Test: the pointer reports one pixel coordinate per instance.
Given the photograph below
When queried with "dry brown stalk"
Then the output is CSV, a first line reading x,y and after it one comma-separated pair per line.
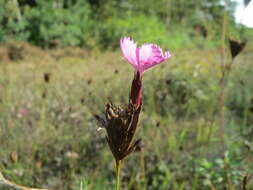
x,y
6,183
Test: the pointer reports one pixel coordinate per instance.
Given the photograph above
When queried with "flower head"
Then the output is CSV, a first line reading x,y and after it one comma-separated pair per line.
x,y
120,125
143,57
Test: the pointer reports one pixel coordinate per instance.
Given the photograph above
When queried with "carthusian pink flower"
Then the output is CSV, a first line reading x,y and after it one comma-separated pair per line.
x,y
143,57
121,123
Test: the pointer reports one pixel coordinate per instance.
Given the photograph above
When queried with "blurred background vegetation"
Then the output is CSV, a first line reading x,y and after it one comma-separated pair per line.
x,y
100,23
60,64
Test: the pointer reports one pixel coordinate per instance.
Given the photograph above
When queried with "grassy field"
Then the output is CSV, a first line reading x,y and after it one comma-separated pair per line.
x,y
49,137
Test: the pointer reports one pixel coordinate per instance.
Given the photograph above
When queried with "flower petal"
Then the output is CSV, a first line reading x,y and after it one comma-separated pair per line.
x,y
128,48
151,55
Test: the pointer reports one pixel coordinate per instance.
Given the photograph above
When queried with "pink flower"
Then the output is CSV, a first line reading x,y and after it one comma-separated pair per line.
x,y
23,112
143,57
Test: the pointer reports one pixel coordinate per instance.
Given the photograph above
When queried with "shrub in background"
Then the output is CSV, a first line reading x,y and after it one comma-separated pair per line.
x,y
101,23
12,24
53,25
140,27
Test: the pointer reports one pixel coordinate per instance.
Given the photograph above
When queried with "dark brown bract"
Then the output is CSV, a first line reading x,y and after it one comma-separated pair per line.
x,y
236,47
120,125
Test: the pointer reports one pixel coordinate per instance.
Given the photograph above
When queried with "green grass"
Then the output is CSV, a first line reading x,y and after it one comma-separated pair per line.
x,y
56,145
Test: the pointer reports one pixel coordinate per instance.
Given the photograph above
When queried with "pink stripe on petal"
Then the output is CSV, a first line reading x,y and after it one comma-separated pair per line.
x,y
137,52
151,55
128,48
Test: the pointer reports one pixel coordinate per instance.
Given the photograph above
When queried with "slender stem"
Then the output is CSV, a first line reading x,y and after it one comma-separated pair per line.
x,y
222,83
142,167
223,78
118,167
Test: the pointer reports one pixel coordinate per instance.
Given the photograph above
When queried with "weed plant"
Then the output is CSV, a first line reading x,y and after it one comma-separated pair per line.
x,y
48,135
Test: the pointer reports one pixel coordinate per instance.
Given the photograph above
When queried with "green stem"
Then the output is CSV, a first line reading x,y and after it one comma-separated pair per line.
x,y
118,167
